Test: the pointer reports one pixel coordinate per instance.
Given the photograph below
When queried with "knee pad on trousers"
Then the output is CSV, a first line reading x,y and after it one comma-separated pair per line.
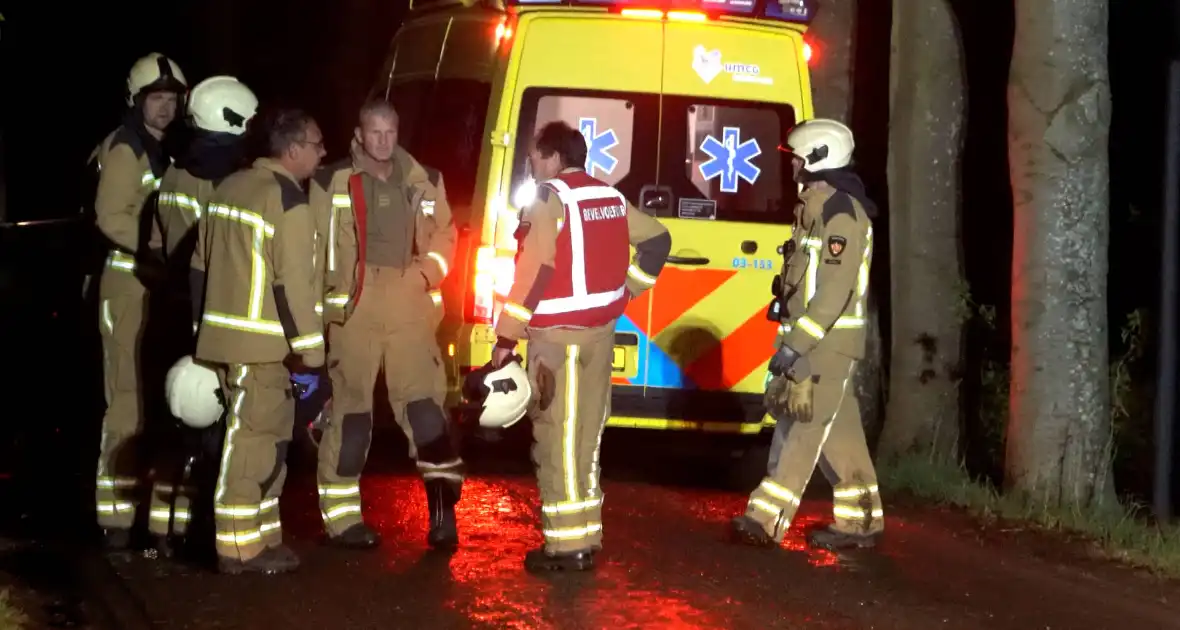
x,y
280,459
356,430
429,425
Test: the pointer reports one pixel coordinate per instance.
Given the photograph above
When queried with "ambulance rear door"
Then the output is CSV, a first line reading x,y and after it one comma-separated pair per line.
x,y
727,196
601,75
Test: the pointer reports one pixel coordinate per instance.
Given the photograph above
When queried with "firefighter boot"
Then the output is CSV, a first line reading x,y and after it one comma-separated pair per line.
x,y
746,530
540,561
833,540
271,561
359,536
441,497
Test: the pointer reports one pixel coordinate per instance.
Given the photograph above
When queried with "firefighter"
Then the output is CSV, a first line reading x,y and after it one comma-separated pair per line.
x,y
389,244
822,335
219,108
259,327
574,277
131,161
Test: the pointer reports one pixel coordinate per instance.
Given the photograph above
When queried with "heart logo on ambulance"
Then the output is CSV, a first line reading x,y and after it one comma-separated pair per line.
x,y
707,63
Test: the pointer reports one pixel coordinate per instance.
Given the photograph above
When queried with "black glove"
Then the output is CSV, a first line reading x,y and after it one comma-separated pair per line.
x,y
783,360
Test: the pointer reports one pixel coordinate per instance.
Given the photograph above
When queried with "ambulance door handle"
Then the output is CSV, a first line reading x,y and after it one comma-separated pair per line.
x,y
749,247
687,260
654,199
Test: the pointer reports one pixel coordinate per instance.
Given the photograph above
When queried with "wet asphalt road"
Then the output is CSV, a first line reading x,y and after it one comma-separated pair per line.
x,y
667,563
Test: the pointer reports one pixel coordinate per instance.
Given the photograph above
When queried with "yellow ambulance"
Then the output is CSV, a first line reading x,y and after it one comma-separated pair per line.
x,y
683,104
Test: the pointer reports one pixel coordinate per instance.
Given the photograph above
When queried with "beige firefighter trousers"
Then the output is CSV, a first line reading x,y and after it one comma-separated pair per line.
x,y
259,422
392,330
121,320
122,309
834,439
570,374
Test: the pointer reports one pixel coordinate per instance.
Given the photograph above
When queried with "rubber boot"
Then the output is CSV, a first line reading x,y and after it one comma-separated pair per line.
x,y
541,561
441,497
271,561
748,531
359,536
833,540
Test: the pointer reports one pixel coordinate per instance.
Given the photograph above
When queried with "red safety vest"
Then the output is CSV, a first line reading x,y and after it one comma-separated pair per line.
x,y
589,285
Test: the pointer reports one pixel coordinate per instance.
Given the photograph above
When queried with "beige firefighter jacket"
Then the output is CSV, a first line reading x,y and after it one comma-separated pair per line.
x,y
336,207
255,260
125,182
827,278
182,199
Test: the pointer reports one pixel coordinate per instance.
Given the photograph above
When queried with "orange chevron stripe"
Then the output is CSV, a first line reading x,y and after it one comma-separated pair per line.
x,y
742,352
677,290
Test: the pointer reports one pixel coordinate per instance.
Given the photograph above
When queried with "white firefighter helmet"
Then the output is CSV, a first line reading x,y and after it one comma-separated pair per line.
x,y
192,394
222,104
504,394
821,143
154,72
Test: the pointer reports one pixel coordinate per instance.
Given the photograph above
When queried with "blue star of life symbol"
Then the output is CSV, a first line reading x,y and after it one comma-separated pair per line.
x,y
599,145
730,158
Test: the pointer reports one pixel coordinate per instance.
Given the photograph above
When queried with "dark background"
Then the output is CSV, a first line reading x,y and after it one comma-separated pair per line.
x,y
63,72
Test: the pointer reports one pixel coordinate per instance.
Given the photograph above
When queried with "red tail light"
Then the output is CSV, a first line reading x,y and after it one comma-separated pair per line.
x,y
493,276
503,32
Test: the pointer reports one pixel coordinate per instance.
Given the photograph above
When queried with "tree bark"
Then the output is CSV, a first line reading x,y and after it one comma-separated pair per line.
x,y
1059,433
927,95
831,75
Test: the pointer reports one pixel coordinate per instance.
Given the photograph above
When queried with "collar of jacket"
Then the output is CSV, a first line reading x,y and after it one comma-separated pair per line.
x,y
813,198
273,165
362,163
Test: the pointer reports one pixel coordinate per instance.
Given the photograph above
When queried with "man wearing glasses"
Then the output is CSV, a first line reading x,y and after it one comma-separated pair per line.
x,y
260,329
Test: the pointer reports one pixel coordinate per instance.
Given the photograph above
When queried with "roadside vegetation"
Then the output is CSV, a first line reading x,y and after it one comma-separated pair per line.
x,y
1125,531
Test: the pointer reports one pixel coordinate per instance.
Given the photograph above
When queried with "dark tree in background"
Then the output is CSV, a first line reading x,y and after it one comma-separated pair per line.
x,y
927,103
1059,433
831,77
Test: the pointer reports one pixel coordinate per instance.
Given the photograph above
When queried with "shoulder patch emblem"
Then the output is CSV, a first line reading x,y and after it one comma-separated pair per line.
x,y
427,206
836,245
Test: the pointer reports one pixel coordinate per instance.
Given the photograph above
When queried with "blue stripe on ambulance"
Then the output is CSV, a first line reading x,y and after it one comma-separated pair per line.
x,y
662,371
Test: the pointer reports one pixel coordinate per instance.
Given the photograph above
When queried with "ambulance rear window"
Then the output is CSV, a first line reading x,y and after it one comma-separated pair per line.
x,y
621,131
731,169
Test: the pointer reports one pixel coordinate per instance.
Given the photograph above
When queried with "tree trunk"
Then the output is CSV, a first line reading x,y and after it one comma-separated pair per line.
x,y
1059,433
927,95
831,74
831,37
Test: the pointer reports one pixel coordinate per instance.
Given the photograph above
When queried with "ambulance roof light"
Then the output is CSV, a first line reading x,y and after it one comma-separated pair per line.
x,y
643,14
687,16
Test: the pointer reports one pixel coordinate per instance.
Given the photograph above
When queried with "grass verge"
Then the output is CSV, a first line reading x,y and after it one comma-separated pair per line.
x,y
1119,532
11,617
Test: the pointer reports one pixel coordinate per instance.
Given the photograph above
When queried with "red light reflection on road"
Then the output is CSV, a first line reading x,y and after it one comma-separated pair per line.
x,y
720,508
498,524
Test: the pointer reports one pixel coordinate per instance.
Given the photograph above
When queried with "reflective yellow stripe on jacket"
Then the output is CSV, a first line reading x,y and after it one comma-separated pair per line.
x,y
252,320
857,318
